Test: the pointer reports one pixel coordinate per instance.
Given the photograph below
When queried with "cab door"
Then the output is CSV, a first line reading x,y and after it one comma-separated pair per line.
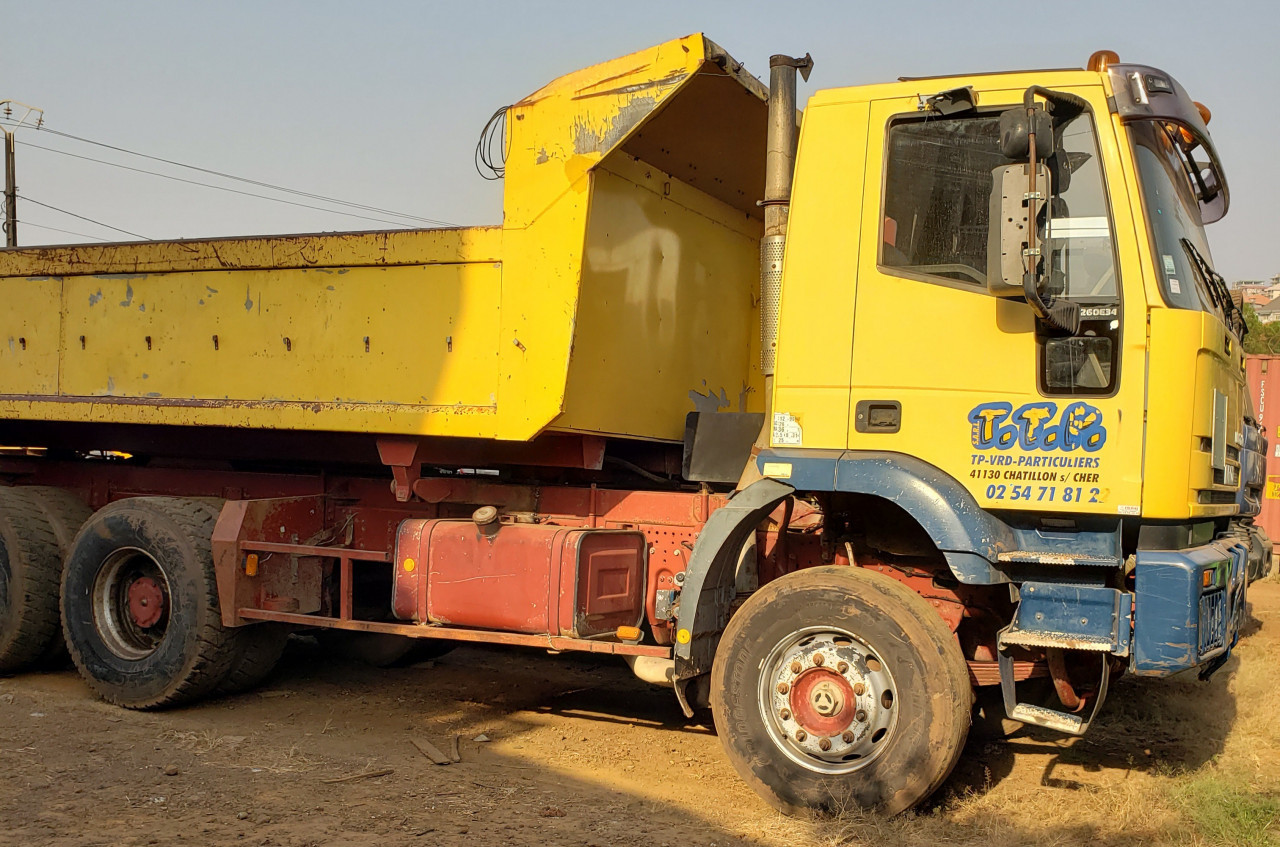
x,y
1025,418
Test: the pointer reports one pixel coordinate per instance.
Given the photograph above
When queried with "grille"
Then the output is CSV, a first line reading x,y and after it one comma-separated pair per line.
x,y
1213,620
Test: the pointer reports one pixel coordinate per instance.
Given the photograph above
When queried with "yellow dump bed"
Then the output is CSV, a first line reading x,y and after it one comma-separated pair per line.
x,y
619,286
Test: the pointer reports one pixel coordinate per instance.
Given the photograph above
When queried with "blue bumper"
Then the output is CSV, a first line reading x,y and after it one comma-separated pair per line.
x,y
1188,606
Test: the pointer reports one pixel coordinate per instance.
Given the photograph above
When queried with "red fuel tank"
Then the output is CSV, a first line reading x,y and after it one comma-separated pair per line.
x,y
529,578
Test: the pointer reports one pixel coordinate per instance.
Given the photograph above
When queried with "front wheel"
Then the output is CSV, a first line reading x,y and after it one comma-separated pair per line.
x,y
839,688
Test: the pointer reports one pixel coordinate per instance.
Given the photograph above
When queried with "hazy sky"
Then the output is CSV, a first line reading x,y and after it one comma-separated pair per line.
x,y
381,103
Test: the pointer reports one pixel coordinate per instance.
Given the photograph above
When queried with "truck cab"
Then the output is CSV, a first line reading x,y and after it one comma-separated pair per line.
x,y
1046,381
1008,376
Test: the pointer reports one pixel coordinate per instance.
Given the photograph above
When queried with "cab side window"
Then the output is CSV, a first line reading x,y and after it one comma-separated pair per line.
x,y
938,180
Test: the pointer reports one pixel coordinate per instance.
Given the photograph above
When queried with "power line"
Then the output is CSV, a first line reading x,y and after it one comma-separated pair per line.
x,y
248,181
210,185
27,199
26,223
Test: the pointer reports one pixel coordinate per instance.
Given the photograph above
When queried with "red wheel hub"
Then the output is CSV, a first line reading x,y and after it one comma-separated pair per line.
x,y
823,702
146,601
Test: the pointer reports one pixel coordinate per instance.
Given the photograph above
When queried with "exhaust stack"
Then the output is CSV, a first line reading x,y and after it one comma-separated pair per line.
x,y
780,160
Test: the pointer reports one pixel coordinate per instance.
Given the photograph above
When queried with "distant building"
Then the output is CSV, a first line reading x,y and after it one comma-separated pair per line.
x,y
1269,313
1254,292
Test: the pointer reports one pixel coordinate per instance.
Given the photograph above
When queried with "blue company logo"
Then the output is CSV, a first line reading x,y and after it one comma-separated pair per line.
x,y
1038,426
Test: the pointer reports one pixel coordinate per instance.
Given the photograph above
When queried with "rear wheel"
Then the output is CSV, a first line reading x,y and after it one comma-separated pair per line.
x,y
64,513
258,651
380,649
30,564
838,688
140,604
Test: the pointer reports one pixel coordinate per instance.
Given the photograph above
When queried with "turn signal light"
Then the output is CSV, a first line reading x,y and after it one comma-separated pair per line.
x,y
251,564
628,633
1205,114
1206,577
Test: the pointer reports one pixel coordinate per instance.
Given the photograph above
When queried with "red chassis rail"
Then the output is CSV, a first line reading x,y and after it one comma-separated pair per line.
x,y
309,530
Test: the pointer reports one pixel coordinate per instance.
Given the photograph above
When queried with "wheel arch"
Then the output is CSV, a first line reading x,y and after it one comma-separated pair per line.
x,y
968,536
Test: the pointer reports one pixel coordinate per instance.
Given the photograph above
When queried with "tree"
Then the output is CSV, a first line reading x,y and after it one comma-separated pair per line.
x,y
1261,338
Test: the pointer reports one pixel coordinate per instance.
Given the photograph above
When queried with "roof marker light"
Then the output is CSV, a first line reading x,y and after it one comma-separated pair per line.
x,y
1100,60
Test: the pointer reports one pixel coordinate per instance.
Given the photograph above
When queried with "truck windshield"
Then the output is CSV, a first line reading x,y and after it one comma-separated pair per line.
x,y
1183,263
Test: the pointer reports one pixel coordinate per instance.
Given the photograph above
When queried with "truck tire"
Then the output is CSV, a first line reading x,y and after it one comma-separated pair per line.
x,y
258,650
380,649
30,566
65,513
837,688
140,604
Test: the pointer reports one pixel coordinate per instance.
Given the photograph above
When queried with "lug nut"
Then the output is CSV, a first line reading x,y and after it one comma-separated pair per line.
x,y
785,714
818,659
801,735
825,744
783,688
861,716
843,667
859,689
847,737
796,667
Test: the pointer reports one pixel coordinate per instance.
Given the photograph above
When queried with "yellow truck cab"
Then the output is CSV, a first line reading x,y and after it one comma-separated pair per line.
x,y
1001,340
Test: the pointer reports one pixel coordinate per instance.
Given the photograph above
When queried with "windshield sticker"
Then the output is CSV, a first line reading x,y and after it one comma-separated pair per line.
x,y
1039,443
1169,267
1175,286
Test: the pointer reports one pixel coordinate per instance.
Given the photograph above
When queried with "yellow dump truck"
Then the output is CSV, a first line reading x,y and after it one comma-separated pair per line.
x,y
852,432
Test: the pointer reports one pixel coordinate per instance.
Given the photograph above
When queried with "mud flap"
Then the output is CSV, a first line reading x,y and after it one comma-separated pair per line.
x,y
708,589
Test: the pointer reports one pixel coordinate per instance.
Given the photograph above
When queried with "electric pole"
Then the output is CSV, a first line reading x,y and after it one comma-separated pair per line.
x,y
10,172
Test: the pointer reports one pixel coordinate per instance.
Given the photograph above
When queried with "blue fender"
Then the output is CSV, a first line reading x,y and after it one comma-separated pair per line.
x,y
969,537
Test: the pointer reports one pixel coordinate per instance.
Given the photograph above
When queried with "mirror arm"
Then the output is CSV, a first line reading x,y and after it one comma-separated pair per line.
x,y
1060,314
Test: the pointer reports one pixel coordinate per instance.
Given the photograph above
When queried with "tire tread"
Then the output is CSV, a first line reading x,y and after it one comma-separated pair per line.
x,y
35,627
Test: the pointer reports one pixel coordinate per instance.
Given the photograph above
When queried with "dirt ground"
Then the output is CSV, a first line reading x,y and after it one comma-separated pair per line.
x,y
578,753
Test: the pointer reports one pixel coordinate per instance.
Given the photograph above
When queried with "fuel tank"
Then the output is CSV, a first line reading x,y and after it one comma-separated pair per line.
x,y
527,578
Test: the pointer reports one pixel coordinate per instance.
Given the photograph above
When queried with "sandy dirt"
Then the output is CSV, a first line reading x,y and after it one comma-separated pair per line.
x,y
578,753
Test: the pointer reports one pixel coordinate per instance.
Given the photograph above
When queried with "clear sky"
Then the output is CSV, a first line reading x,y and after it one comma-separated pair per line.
x,y
381,103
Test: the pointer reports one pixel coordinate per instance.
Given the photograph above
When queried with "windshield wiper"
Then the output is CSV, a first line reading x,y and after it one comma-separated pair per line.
x,y
1217,287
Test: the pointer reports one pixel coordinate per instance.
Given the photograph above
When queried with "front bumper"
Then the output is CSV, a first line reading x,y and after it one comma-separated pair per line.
x,y
1187,607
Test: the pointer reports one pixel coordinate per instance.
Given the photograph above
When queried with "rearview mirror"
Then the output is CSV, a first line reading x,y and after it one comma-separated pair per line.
x,y
1015,133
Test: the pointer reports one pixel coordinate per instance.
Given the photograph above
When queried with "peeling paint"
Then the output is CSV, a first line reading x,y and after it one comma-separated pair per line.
x,y
248,300
543,157
128,295
709,403
211,289
142,307
95,297
589,139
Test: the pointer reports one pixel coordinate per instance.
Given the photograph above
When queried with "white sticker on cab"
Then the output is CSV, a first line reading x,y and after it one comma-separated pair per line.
x,y
786,430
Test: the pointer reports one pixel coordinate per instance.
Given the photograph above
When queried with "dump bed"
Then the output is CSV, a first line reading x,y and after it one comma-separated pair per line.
x,y
617,295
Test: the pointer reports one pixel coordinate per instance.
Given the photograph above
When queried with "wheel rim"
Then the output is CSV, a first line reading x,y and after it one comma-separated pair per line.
x,y
827,700
131,603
